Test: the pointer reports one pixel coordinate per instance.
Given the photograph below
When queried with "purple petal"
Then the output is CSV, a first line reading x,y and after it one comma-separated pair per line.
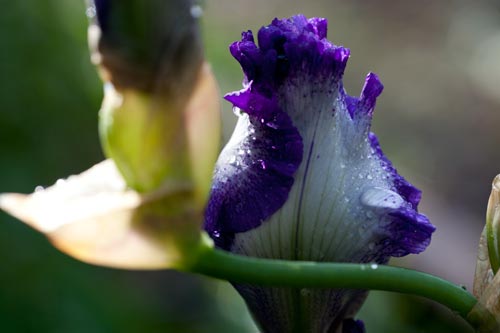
x,y
103,8
353,326
254,173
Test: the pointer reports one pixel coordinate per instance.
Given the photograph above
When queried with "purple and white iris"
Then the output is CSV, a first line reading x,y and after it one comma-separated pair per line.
x,y
303,178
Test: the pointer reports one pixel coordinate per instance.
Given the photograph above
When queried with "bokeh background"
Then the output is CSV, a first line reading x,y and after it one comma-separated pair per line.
x,y
437,120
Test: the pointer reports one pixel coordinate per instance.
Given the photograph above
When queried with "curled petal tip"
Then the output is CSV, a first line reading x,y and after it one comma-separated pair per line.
x,y
496,183
15,205
373,87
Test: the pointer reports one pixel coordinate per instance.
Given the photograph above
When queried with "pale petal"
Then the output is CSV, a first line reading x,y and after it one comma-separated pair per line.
x,y
95,218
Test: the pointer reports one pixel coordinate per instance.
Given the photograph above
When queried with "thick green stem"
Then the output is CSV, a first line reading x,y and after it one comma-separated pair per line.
x,y
302,274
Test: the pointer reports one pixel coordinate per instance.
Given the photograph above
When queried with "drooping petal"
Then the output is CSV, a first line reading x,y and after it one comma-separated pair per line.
x,y
95,218
347,203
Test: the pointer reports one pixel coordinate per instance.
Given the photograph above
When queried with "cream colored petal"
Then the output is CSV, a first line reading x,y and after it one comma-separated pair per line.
x,y
203,128
483,274
94,218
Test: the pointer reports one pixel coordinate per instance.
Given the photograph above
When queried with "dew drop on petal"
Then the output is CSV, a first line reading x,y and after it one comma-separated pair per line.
x,y
91,11
380,198
305,292
196,11
262,164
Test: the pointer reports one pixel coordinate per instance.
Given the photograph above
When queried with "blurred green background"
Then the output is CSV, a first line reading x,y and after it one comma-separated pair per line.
x,y
437,120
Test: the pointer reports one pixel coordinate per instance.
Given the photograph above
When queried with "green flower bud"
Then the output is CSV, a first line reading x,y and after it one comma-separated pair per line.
x,y
155,144
486,313
493,225
160,119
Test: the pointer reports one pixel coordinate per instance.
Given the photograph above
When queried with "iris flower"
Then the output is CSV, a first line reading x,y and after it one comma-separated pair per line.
x,y
303,178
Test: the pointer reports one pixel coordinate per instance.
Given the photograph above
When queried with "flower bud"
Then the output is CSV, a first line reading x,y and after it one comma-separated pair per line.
x,y
486,313
303,178
160,119
151,46
493,225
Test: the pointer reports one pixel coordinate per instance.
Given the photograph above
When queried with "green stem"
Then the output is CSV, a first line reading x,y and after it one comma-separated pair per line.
x,y
303,274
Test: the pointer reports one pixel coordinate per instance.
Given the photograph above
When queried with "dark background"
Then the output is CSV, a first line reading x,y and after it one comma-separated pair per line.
x,y
437,120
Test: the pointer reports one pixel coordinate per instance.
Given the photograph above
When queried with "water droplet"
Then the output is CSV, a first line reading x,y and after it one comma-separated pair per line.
x,y
196,11
381,198
232,161
60,182
216,234
369,177
90,12
241,152
360,176
262,164
342,165
373,266
39,189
